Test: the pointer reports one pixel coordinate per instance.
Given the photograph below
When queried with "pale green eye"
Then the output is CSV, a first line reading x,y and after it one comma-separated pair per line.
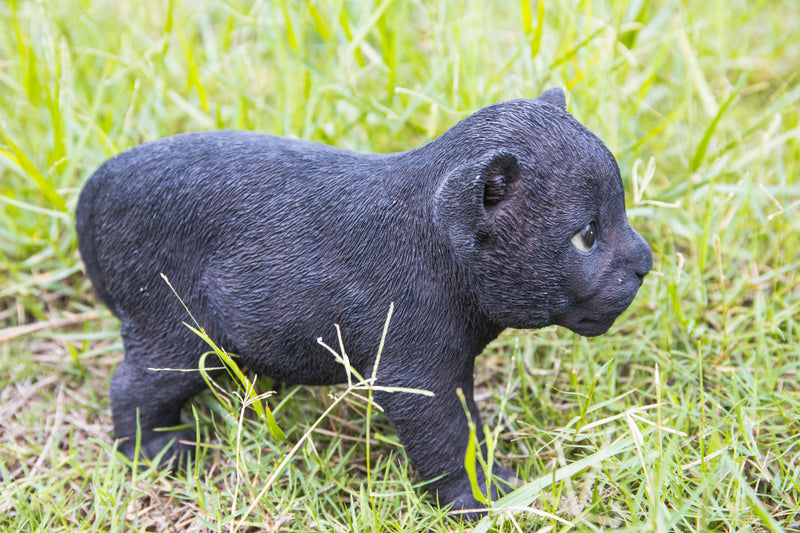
x,y
584,239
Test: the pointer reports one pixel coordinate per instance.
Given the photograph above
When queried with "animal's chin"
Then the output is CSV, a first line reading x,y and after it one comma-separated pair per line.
x,y
589,327
589,324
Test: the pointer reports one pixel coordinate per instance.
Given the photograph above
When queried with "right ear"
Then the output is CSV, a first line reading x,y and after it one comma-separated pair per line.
x,y
468,197
555,97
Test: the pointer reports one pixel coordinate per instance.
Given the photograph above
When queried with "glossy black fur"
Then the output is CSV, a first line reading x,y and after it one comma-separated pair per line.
x,y
272,241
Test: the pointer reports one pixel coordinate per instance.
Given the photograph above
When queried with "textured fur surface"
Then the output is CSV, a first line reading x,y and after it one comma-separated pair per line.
x,y
271,241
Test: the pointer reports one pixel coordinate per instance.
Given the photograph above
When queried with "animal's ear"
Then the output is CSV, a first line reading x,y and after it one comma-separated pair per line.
x,y
555,97
468,196
495,176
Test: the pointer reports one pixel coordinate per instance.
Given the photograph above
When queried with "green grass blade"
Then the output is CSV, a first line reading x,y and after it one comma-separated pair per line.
x,y
700,152
523,496
18,157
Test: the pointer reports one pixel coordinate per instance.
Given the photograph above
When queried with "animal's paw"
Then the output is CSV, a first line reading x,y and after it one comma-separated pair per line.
x,y
466,506
171,448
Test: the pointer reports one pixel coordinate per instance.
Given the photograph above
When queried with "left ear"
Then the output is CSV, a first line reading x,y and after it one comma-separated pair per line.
x,y
468,195
496,174
555,97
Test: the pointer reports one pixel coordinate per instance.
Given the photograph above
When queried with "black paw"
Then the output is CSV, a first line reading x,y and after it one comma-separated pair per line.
x,y
170,448
465,505
467,508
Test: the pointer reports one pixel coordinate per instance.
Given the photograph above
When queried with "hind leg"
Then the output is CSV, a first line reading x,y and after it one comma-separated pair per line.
x,y
148,391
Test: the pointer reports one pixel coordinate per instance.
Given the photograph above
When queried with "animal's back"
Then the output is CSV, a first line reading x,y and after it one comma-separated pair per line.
x,y
249,228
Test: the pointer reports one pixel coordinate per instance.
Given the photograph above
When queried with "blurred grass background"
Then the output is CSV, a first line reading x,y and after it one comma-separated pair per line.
x,y
697,100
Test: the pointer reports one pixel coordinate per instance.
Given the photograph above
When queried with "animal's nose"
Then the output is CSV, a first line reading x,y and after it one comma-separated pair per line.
x,y
642,256
636,253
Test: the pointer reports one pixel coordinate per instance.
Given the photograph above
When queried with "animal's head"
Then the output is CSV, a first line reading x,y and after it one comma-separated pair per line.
x,y
536,215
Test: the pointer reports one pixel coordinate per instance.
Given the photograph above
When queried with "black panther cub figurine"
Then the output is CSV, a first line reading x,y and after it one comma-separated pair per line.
x,y
515,217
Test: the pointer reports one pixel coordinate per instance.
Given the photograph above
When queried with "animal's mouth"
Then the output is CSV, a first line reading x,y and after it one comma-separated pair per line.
x,y
596,313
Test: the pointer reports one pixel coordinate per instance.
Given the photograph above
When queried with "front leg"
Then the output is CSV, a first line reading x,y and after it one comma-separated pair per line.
x,y
435,433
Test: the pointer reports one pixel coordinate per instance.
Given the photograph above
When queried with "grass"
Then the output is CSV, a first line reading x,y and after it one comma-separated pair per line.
x,y
684,417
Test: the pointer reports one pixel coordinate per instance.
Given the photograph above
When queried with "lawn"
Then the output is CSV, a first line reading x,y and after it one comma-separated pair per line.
x,y
685,416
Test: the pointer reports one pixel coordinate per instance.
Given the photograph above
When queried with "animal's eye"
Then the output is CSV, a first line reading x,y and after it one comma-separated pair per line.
x,y
585,238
